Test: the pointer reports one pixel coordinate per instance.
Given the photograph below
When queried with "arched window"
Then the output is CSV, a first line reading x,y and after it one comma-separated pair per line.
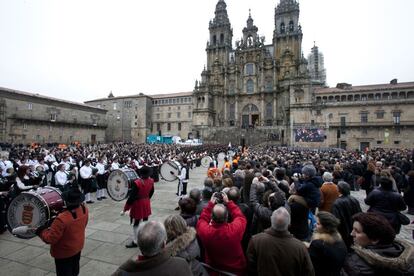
x,y
291,26
214,40
221,38
282,28
249,86
250,69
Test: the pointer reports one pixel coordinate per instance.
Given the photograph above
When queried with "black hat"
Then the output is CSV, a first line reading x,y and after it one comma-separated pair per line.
x,y
73,197
145,172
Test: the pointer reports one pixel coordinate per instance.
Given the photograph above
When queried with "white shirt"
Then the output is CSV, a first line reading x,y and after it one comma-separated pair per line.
x,y
50,158
182,175
101,168
61,178
5,164
115,166
85,172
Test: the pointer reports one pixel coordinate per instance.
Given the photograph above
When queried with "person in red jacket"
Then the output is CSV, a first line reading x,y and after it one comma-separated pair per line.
x,y
66,235
138,203
222,239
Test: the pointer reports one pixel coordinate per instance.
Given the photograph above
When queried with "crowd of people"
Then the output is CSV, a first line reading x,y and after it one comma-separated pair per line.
x,y
265,210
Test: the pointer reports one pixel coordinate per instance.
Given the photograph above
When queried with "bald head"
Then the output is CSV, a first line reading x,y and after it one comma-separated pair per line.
x,y
219,214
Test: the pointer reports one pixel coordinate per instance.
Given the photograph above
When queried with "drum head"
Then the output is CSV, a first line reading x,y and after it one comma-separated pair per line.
x,y
27,209
220,156
205,161
170,170
119,183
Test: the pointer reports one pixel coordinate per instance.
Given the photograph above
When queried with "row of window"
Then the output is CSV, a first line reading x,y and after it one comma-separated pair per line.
x,y
291,27
169,115
268,87
366,97
180,100
169,126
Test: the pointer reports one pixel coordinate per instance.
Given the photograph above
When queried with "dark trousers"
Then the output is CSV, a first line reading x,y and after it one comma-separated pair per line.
x,y
182,190
68,266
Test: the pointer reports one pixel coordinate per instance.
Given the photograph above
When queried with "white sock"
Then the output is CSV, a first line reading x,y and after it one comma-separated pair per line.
x,y
98,193
103,192
135,234
88,197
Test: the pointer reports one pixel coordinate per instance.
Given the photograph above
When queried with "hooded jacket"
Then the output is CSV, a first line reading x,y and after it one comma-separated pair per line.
x,y
186,246
381,260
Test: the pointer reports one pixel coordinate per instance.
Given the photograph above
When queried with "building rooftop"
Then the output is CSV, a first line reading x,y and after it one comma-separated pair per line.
x,y
345,88
47,98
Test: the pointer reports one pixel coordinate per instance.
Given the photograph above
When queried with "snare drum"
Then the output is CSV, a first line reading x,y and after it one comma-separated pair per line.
x,y
170,170
119,183
34,208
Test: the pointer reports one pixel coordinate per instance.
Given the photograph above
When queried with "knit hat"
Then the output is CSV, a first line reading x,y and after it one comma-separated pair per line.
x,y
309,170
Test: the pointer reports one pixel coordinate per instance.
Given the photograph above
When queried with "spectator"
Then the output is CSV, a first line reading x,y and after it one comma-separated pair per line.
x,y
376,251
327,249
387,203
409,193
155,260
344,207
276,252
195,194
329,192
222,239
182,242
308,188
188,209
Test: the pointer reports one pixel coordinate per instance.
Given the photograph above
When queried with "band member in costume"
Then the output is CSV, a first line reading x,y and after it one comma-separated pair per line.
x,y
183,178
138,202
101,180
66,235
61,178
87,181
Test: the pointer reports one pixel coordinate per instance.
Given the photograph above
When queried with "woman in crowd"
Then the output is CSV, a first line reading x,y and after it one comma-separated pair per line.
x,y
327,249
329,192
409,193
182,242
387,203
376,251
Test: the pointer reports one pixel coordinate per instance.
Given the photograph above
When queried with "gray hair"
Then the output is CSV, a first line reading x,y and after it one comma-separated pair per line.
x,y
208,182
327,177
151,238
280,219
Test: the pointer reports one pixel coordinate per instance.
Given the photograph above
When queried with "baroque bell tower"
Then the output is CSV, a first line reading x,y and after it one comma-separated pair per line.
x,y
287,38
209,108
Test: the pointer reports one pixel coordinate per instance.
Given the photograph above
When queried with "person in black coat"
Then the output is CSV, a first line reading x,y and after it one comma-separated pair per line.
x,y
387,203
327,249
409,193
343,208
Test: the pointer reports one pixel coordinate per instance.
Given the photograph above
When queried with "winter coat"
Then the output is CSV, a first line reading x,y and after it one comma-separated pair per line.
x,y
160,265
388,204
190,219
409,193
344,208
222,241
309,190
186,246
299,211
381,260
328,253
277,253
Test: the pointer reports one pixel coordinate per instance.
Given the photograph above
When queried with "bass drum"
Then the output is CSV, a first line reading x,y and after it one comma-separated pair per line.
x,y
119,183
34,208
205,161
170,170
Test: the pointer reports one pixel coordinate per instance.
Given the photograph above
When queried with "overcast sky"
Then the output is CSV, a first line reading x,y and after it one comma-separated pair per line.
x,y
80,50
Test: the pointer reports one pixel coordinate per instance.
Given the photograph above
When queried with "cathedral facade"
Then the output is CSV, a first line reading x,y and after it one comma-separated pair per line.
x,y
249,86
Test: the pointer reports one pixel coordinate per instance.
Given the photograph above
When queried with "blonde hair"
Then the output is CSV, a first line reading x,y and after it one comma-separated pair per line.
x,y
175,226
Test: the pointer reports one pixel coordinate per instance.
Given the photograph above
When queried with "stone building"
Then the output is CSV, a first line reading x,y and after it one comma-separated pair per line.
x,y
27,118
357,117
133,118
267,92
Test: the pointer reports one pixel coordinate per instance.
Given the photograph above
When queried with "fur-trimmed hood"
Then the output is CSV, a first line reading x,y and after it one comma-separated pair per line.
x,y
329,238
401,262
182,242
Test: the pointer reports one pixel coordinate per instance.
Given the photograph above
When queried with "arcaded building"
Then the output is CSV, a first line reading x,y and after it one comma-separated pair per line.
x,y
27,118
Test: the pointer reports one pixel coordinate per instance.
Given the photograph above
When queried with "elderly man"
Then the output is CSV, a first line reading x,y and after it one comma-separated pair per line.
x,y
154,259
276,252
222,239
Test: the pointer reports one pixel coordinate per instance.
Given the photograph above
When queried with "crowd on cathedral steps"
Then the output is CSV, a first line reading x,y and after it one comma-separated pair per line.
x,y
264,210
